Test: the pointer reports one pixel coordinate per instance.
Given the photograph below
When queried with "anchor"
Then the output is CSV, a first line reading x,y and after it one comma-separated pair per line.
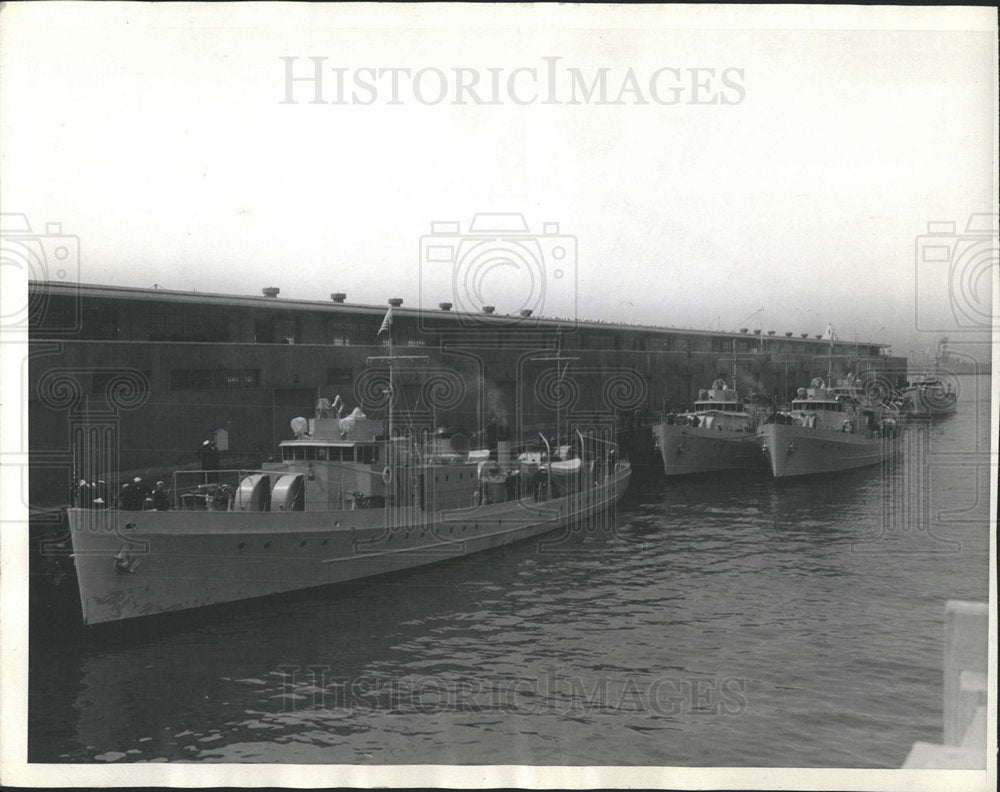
x,y
124,561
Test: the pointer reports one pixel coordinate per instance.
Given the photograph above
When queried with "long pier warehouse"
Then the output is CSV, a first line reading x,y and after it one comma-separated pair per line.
x,y
164,370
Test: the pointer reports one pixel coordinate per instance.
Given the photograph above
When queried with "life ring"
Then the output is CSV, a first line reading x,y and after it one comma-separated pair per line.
x,y
387,475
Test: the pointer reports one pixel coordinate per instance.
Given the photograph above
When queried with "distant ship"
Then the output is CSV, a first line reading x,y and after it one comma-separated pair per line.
x,y
944,363
928,397
719,434
822,433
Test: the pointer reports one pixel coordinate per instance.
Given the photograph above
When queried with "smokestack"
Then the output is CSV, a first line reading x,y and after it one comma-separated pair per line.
x,y
271,291
338,297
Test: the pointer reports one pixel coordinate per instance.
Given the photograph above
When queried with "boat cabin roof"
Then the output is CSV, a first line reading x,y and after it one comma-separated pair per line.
x,y
312,442
726,406
815,404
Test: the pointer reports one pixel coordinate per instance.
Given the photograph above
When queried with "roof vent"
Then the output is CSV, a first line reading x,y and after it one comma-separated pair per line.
x,y
525,312
488,309
804,335
757,331
789,335
744,330
271,291
395,302
770,332
818,336
338,297
444,306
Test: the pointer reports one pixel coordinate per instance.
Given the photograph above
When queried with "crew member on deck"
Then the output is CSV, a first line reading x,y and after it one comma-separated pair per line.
x,y
140,494
208,455
160,501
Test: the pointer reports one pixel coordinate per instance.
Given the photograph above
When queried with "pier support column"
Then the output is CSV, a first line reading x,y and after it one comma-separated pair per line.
x,y
965,652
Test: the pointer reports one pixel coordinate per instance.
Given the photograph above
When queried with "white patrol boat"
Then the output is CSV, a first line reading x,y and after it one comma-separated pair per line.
x,y
929,397
343,502
822,433
719,434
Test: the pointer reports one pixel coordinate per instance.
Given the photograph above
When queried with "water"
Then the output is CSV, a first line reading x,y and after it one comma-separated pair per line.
x,y
726,621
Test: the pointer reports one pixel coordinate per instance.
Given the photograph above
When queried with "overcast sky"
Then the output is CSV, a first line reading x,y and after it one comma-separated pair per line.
x,y
725,170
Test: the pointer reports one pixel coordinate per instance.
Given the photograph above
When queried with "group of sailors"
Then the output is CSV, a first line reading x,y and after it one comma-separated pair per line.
x,y
134,495
683,419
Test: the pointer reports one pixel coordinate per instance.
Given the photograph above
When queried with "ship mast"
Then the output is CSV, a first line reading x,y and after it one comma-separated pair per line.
x,y
735,390
561,372
390,390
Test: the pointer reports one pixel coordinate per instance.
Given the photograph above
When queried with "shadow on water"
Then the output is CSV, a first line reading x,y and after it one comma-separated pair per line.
x,y
259,650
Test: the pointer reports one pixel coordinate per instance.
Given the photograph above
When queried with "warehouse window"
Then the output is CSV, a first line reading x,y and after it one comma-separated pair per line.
x,y
276,331
99,324
165,326
204,379
339,376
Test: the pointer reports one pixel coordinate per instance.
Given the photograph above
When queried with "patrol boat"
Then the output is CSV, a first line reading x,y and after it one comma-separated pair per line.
x,y
719,434
929,397
346,500
822,433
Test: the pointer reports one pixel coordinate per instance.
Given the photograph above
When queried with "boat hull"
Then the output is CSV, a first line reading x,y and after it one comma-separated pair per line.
x,y
135,564
918,404
795,450
693,449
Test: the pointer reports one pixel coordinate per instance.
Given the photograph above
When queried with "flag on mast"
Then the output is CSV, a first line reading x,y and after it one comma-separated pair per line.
x,y
387,322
